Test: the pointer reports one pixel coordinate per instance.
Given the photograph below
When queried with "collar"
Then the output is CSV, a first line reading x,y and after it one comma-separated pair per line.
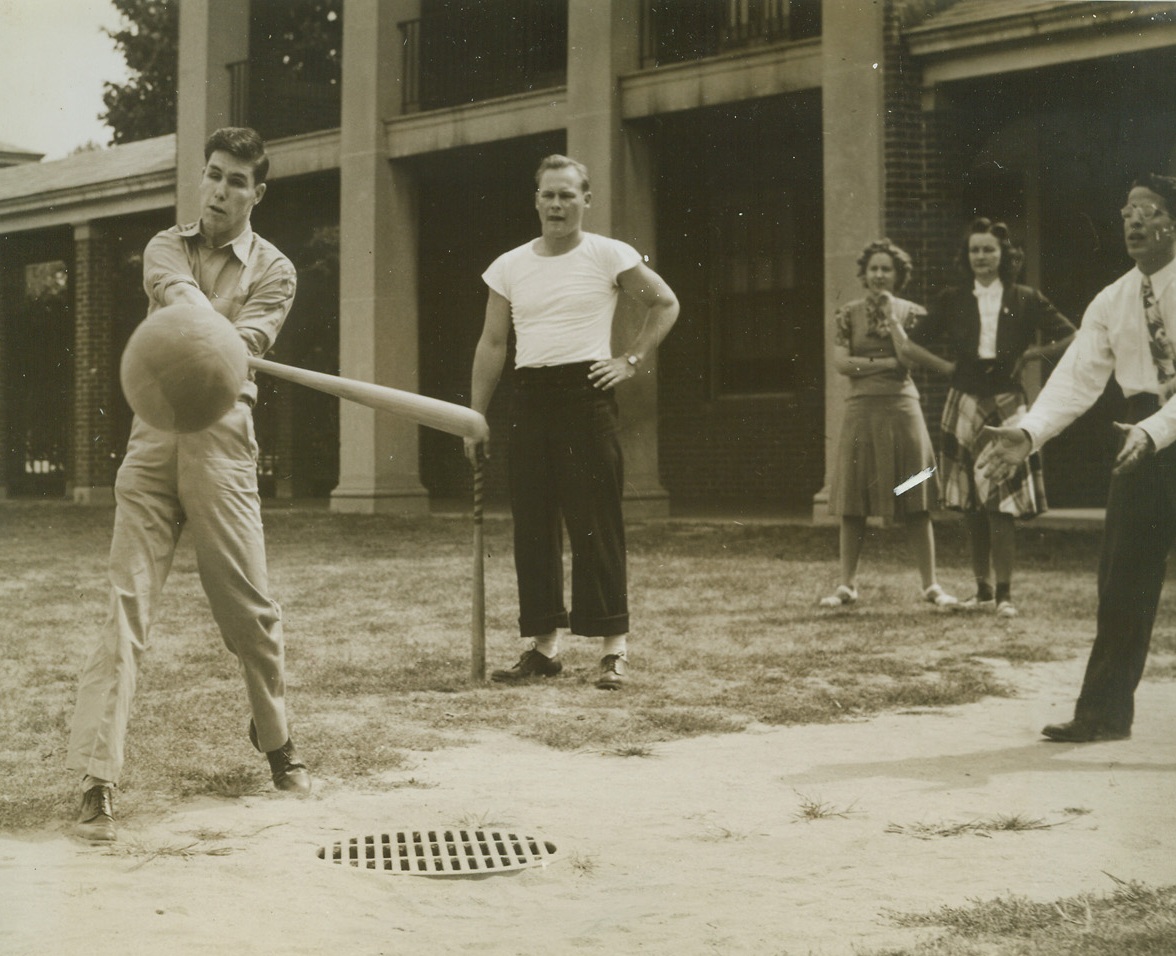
x,y
1161,278
240,245
993,291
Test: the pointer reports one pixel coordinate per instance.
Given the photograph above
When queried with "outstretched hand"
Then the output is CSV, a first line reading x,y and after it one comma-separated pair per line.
x,y
1007,449
1137,446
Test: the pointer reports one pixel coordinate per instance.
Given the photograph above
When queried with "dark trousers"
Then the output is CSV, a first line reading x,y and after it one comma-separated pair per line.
x,y
566,470
1139,531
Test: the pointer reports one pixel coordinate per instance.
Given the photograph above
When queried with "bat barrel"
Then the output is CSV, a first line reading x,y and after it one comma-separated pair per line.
x,y
430,412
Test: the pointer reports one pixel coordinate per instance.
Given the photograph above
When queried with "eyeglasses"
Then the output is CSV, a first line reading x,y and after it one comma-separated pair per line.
x,y
1146,210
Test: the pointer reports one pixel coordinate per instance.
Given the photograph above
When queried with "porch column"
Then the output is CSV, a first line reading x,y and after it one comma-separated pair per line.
x,y
603,43
213,35
379,459
853,119
95,368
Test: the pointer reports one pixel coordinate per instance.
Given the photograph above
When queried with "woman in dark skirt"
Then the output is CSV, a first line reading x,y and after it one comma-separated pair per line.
x,y
884,442
993,326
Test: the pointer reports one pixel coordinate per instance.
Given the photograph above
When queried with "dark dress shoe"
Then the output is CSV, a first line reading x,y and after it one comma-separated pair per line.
x,y
289,772
96,817
1082,732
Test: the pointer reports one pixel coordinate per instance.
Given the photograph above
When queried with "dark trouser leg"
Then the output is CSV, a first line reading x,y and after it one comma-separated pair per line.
x,y
1138,533
591,487
538,536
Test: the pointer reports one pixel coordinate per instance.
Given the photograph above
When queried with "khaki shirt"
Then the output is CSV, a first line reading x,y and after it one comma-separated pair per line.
x,y
248,281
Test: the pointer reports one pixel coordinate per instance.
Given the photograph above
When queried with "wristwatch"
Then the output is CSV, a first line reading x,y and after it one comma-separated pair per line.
x,y
633,359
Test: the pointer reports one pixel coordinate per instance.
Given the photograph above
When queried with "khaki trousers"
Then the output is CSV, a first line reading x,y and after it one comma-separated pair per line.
x,y
205,482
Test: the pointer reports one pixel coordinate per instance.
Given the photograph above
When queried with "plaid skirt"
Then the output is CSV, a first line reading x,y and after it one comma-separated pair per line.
x,y
963,488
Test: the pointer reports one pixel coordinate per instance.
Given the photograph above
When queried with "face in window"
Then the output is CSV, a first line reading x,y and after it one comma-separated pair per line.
x,y
227,196
560,201
984,257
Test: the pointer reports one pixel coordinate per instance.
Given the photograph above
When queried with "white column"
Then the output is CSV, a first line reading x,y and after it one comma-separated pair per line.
x,y
379,468
853,119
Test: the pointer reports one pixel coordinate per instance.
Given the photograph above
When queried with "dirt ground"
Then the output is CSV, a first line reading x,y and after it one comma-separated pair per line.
x,y
700,847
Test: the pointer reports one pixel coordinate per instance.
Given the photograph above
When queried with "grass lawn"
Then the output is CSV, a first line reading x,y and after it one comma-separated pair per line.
x,y
726,634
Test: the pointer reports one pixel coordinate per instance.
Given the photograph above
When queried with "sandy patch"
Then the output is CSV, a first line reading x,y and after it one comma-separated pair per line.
x,y
696,849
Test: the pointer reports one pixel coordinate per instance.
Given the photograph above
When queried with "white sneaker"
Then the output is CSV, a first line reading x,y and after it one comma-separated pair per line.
x,y
842,596
939,597
1006,609
977,603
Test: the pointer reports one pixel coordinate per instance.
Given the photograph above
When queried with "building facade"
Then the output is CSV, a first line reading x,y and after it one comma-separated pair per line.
x,y
749,148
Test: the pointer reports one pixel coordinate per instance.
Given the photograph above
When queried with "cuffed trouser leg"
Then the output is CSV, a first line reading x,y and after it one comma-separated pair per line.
x,y
218,486
566,469
538,529
591,488
1139,530
147,525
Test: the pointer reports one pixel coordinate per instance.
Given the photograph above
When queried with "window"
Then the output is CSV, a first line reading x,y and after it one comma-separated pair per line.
x,y
765,293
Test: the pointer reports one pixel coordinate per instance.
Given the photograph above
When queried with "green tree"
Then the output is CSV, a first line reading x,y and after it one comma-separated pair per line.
x,y
295,66
148,40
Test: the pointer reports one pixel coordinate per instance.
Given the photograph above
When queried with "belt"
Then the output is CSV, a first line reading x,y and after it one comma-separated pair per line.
x,y
559,376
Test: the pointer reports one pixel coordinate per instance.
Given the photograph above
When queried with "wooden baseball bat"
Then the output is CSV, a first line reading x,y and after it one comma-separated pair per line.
x,y
431,412
478,609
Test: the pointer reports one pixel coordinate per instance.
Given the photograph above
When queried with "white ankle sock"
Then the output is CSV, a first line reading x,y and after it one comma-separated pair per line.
x,y
616,645
547,645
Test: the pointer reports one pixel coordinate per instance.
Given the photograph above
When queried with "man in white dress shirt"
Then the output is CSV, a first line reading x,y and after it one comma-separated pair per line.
x,y
1128,331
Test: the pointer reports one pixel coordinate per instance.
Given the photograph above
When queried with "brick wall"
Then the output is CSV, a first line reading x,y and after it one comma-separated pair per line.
x,y
96,364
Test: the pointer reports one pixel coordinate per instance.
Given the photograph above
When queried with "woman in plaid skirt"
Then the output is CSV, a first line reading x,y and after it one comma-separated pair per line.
x,y
993,326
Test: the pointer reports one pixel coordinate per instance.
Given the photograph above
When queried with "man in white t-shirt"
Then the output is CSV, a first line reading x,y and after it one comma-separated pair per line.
x,y
1127,331
559,292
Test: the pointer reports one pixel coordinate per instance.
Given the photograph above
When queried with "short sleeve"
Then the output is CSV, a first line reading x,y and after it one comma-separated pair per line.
x,y
842,330
495,277
914,317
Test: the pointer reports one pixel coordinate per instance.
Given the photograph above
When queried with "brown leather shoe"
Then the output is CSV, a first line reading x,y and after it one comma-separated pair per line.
x,y
1082,732
96,817
612,672
289,772
533,663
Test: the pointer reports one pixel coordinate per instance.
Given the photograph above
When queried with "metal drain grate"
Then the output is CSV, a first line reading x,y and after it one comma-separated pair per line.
x,y
440,852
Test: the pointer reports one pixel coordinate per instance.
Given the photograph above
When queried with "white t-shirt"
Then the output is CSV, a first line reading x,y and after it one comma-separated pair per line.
x,y
562,306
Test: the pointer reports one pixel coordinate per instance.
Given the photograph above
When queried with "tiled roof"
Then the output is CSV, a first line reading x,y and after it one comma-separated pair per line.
x,y
93,168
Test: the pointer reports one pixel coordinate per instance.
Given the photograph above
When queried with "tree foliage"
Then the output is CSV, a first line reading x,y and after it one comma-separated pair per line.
x,y
148,40
295,67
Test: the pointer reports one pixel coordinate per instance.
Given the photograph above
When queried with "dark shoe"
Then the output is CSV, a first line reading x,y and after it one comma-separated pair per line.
x,y
533,663
612,672
96,818
289,772
1082,732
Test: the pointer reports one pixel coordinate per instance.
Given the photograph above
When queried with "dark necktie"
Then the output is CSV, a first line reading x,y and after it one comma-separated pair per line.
x,y
1161,345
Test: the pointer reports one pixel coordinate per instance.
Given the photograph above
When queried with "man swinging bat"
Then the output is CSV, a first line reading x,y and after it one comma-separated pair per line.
x,y
204,481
